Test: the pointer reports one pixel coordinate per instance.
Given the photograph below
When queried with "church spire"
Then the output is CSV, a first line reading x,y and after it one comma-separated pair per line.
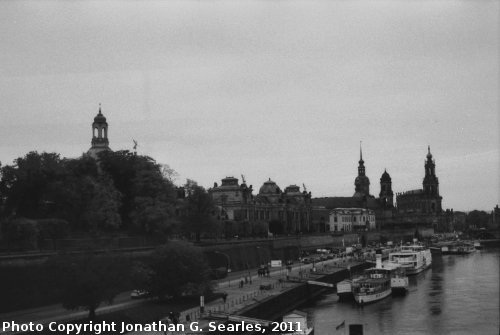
x,y
360,153
361,183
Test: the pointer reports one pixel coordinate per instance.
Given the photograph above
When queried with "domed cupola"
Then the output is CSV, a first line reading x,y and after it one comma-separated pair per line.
x,y
386,178
269,187
100,140
99,118
386,194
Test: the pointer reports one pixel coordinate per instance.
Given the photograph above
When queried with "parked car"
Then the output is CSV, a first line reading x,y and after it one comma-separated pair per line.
x,y
139,294
306,260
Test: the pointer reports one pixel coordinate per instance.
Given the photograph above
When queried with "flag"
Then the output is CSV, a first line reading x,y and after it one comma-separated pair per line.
x,y
342,325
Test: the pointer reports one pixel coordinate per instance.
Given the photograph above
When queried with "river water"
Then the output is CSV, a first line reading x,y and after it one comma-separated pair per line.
x,y
457,295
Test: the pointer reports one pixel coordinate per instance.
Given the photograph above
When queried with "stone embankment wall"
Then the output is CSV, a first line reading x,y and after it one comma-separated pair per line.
x,y
274,307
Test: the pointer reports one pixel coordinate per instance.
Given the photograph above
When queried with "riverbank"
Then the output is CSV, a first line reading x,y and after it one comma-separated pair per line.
x,y
254,298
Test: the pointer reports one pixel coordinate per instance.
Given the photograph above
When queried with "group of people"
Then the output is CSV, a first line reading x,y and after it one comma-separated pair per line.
x,y
263,272
245,280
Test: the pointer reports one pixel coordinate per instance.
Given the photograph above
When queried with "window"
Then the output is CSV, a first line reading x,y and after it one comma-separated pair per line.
x,y
335,220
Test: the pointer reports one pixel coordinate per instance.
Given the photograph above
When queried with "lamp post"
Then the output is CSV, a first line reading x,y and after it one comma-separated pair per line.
x,y
228,263
258,253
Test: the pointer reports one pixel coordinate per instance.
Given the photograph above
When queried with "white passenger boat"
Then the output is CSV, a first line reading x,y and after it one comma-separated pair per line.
x,y
413,258
374,284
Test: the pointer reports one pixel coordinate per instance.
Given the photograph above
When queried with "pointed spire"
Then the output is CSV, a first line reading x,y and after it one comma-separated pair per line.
x,y
100,109
429,155
360,153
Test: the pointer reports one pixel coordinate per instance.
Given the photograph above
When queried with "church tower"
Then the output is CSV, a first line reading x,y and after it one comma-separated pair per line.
x,y
431,184
100,140
386,195
361,183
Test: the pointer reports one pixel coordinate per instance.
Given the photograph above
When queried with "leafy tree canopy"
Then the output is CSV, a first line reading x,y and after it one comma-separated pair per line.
x,y
88,280
174,269
198,209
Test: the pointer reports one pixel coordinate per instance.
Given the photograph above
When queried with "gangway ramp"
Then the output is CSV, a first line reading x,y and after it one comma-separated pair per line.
x,y
320,283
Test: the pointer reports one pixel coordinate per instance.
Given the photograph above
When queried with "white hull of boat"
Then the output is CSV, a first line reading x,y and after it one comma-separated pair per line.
x,y
368,298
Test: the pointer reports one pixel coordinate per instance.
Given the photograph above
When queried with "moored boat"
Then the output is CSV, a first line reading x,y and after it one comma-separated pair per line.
x,y
374,284
460,248
413,258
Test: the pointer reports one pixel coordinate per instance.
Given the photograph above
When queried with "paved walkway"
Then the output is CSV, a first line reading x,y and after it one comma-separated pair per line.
x,y
241,297
237,297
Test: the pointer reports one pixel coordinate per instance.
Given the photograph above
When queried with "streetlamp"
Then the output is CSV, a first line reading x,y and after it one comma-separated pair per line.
x,y
258,253
228,263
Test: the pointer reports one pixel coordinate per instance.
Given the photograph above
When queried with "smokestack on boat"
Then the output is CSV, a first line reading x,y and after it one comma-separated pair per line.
x,y
378,259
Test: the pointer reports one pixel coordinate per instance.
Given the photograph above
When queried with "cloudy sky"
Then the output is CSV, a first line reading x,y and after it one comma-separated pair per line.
x,y
269,89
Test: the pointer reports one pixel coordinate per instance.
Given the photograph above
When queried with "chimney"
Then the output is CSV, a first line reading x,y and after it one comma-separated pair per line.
x,y
378,259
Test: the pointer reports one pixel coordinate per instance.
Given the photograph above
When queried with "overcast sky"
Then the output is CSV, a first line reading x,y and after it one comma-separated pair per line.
x,y
269,89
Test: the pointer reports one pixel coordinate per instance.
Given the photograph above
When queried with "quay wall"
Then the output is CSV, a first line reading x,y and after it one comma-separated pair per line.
x,y
274,307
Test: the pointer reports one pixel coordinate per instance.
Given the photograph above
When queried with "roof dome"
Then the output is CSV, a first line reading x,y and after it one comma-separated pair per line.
x,y
269,187
293,189
385,177
362,180
99,118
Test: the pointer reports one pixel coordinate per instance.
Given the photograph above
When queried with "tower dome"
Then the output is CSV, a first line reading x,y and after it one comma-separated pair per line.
x,y
100,140
269,187
99,118
385,177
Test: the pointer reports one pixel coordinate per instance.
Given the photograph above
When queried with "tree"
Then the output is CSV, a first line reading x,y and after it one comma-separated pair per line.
x,y
477,219
174,269
88,280
199,209
20,233
24,183
53,229
148,198
168,173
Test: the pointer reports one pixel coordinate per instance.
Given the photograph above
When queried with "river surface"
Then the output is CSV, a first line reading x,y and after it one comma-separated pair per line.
x,y
457,295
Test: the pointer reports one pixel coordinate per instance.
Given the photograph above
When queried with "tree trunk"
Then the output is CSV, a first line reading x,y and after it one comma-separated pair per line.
x,y
92,313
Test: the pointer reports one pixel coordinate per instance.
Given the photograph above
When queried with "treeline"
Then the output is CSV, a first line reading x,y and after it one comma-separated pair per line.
x,y
44,196
89,280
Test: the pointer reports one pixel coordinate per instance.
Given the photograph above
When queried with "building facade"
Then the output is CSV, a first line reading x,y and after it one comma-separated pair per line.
x,y
270,211
351,219
383,207
422,205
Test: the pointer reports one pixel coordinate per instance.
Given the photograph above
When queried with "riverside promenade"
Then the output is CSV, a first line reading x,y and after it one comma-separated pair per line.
x,y
239,298
254,290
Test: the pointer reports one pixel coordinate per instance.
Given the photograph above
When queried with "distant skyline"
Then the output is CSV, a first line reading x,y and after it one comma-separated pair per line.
x,y
267,89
